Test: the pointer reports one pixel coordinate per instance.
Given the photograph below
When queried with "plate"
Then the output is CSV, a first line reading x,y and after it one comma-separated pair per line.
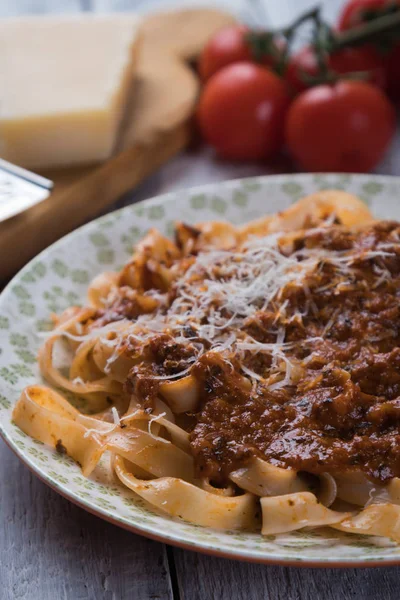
x,y
59,277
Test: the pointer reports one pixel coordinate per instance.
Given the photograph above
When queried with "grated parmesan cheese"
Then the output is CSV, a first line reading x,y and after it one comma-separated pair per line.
x,y
117,420
221,289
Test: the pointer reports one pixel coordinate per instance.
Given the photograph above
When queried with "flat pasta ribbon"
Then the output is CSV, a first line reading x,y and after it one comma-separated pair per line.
x,y
151,452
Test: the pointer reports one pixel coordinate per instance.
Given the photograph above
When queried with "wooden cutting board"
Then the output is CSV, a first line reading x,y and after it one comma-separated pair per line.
x,y
156,126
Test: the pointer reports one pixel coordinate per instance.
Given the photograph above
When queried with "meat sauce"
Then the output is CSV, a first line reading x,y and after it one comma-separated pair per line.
x,y
341,410
344,412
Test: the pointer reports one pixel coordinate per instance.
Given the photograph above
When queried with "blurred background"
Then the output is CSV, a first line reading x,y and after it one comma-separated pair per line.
x,y
200,165
276,12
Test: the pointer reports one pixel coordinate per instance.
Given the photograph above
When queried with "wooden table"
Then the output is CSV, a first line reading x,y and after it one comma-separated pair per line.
x,y
52,550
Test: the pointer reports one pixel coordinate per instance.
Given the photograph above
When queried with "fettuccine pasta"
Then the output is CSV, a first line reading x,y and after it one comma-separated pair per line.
x,y
241,377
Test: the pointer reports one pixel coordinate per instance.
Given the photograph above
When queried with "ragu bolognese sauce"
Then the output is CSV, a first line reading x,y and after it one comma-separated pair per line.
x,y
341,411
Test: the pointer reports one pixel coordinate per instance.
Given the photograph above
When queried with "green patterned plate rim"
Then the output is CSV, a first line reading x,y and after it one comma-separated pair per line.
x,y
59,276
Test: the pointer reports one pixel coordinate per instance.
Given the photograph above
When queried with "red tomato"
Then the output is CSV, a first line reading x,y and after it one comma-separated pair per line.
x,y
303,61
356,12
346,127
241,111
227,46
344,61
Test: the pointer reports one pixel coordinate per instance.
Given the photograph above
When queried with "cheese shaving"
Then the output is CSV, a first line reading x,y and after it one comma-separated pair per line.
x,y
222,290
117,420
149,424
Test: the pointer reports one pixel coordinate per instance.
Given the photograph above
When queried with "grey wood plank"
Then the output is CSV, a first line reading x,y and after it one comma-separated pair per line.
x,y
50,549
191,168
205,578
390,165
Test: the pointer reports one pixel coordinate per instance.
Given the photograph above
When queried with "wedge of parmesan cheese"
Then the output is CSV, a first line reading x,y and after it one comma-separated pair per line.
x,y
64,82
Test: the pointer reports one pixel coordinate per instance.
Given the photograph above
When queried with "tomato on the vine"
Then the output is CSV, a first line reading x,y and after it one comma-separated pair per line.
x,y
343,127
241,111
301,63
357,12
227,46
230,45
349,60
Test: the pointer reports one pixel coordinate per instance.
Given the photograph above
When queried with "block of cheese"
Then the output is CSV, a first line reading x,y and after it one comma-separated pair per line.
x,y
64,82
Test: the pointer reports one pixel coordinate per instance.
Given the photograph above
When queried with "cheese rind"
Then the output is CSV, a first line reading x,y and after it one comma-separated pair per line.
x,y
64,82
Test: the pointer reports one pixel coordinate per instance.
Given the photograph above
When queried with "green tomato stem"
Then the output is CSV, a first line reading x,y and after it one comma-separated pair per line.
x,y
369,32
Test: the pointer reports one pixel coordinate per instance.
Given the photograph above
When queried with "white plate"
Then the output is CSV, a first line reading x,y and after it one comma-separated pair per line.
x,y
59,277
